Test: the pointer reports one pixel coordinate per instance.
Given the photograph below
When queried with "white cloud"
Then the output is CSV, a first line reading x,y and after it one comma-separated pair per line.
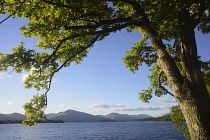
x,y
23,77
9,103
62,106
104,105
3,75
54,81
166,99
69,107
119,105
99,106
97,112
141,108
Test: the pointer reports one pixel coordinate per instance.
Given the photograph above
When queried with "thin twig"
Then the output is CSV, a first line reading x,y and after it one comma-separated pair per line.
x,y
30,60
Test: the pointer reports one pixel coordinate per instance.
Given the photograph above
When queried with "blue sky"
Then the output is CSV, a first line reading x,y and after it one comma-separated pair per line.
x,y
100,85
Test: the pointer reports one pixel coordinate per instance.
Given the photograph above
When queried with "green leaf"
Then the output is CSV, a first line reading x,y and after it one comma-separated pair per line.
x,y
34,110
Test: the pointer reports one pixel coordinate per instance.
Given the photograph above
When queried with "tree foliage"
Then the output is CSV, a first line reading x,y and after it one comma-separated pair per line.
x,y
178,120
68,29
34,110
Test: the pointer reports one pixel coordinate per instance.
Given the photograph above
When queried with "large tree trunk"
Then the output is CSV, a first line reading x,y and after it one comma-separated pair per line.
x,y
190,91
188,87
195,108
193,99
194,102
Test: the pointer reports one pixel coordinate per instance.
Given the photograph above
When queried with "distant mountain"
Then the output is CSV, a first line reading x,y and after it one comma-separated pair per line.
x,y
50,114
124,117
75,116
13,116
167,114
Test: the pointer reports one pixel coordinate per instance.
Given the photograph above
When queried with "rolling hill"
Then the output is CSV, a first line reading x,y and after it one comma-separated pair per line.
x,y
125,117
13,116
76,116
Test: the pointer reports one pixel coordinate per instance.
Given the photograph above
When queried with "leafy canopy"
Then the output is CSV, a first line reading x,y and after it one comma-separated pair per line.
x,y
67,29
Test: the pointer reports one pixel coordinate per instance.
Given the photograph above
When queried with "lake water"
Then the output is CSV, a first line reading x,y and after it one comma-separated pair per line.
x,y
92,131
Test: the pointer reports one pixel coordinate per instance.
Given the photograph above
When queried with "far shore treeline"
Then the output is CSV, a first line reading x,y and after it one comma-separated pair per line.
x,y
39,121
163,118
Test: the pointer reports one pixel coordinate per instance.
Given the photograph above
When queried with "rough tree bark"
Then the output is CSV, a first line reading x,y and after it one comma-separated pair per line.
x,y
194,100
187,86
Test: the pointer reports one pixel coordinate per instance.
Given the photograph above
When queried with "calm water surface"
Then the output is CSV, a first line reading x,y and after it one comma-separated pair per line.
x,y
92,131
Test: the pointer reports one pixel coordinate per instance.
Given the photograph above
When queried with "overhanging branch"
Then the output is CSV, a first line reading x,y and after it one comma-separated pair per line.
x,y
60,5
99,23
59,44
107,30
13,12
69,59
97,36
79,52
27,61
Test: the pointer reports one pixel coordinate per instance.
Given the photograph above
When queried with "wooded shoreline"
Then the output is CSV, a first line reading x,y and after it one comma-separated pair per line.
x,y
39,121
164,118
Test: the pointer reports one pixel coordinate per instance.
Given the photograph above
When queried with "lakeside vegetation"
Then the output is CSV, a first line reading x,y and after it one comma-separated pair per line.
x,y
163,118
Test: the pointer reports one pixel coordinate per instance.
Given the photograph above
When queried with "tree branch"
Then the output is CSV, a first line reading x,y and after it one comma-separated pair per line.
x,y
201,9
60,5
58,46
162,87
145,51
29,60
97,33
136,6
113,29
69,59
92,14
83,27
13,12
99,23
83,49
